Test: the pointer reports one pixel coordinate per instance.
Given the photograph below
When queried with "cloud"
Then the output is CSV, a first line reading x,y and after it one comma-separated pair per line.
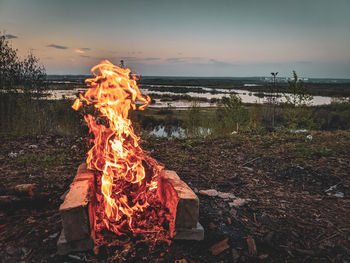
x,y
79,51
129,58
9,36
151,59
187,60
57,46
84,56
220,63
85,48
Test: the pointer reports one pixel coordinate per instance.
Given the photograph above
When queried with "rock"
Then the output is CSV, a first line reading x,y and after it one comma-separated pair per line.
x,y
309,137
64,247
196,233
13,155
74,211
219,247
180,200
238,202
74,147
339,194
33,146
226,195
209,192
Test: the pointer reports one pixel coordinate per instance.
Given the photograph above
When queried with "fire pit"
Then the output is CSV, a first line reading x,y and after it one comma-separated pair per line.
x,y
121,192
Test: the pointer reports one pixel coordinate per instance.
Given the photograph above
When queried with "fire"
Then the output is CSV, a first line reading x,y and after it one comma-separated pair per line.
x,y
126,177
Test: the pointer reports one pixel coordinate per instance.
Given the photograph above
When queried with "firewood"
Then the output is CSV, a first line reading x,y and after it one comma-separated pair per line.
x,y
252,251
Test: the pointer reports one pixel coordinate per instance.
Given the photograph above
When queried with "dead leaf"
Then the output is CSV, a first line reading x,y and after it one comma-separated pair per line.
x,y
263,256
219,247
252,251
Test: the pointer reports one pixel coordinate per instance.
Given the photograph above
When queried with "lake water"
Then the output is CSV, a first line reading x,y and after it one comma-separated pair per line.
x,y
246,96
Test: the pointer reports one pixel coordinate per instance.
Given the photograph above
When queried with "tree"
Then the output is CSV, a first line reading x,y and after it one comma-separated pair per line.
x,y
17,74
297,112
233,114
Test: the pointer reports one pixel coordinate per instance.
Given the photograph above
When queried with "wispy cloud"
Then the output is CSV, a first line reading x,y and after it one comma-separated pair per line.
x,y
129,58
84,56
186,60
85,48
57,46
9,36
79,51
182,60
220,63
151,59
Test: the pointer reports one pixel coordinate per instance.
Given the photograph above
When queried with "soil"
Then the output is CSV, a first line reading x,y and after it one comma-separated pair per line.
x,y
291,216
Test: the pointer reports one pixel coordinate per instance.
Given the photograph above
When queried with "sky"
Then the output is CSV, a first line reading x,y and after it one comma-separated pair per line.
x,y
223,38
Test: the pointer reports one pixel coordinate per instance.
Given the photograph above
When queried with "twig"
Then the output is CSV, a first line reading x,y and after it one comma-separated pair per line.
x,y
256,158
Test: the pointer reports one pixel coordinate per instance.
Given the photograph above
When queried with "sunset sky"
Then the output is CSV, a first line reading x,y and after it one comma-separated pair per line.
x,y
184,38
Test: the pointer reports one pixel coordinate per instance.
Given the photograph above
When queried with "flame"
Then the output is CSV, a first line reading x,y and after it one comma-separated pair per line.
x,y
127,178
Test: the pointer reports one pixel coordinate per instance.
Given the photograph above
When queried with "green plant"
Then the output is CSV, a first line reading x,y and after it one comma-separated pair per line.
x,y
233,115
296,110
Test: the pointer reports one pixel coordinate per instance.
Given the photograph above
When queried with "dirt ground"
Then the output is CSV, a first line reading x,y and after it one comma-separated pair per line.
x,y
291,216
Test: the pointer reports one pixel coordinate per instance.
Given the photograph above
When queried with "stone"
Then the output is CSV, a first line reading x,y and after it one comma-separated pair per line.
x,y
84,174
226,195
238,202
196,233
64,247
179,199
74,211
209,192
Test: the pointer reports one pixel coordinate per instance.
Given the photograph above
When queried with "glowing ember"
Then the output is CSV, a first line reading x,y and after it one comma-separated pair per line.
x,y
126,178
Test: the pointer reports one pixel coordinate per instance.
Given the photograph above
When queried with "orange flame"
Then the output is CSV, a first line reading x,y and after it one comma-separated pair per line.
x,y
128,178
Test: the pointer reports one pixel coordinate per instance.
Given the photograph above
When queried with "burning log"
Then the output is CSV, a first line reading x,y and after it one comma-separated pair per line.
x,y
77,210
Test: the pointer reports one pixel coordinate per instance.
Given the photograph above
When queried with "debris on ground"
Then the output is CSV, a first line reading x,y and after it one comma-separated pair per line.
x,y
219,247
294,204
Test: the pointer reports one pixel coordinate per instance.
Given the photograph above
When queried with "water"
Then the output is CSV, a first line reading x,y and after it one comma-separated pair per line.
x,y
168,131
246,96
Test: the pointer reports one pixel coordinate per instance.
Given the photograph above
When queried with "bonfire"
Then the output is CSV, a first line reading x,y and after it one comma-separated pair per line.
x,y
126,177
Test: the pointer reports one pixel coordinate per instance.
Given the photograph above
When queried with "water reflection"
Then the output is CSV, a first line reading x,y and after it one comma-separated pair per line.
x,y
168,131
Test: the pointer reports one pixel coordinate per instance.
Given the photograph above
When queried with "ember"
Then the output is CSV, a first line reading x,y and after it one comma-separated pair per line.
x,y
126,178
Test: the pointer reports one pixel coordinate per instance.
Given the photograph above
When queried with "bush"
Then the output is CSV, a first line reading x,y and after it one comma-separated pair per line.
x,y
233,115
20,75
296,110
